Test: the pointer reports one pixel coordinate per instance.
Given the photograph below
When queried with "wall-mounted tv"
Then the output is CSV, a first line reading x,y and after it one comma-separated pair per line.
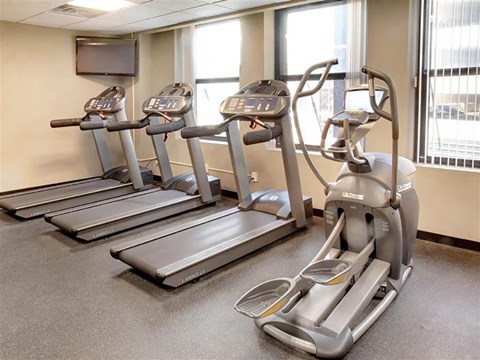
x,y
106,56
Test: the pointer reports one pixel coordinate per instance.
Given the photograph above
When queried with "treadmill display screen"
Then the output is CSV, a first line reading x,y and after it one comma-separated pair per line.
x,y
165,103
254,105
102,104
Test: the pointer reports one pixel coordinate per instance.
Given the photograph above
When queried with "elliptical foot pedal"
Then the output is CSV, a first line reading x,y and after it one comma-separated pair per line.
x,y
265,298
327,272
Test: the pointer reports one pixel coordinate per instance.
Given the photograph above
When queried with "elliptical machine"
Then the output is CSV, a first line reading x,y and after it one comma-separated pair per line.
x,y
371,217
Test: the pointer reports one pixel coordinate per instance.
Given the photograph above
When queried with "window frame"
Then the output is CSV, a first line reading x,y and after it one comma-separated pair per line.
x,y
421,96
280,56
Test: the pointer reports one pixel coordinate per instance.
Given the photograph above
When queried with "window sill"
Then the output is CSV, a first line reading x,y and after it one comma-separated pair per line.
x,y
214,142
446,167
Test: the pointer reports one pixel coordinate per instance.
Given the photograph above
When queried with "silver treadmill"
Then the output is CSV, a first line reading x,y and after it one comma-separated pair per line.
x,y
175,195
184,253
108,106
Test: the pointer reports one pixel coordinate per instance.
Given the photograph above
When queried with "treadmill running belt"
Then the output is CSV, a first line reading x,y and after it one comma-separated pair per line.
x,y
164,251
112,211
31,199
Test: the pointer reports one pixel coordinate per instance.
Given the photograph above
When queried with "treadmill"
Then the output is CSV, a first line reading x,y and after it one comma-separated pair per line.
x,y
181,254
108,106
175,195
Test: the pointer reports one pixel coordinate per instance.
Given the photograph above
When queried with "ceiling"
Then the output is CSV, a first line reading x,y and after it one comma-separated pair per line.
x,y
144,15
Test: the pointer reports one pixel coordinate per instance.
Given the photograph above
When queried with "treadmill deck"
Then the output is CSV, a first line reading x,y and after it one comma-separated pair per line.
x,y
182,256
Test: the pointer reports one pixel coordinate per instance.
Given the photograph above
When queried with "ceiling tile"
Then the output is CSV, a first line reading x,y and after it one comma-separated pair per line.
x,y
50,19
16,10
133,14
89,25
244,4
165,20
174,5
125,29
207,10
147,14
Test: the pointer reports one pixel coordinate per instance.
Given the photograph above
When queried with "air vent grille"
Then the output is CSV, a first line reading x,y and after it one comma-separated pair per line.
x,y
70,10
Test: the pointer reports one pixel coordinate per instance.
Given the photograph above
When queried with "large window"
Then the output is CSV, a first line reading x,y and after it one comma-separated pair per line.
x,y
217,67
307,35
449,105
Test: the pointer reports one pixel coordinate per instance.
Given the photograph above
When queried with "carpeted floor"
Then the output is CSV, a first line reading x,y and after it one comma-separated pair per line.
x,y
64,299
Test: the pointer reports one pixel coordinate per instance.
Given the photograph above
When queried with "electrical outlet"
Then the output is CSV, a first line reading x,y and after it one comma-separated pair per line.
x,y
254,176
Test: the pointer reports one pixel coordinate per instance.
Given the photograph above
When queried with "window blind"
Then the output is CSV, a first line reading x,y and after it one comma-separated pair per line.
x,y
449,111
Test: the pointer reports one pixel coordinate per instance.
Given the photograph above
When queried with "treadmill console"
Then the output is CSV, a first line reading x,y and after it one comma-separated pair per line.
x,y
264,98
167,104
255,105
111,100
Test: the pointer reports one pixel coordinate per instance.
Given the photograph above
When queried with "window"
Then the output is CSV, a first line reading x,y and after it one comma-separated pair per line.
x,y
217,67
449,107
307,35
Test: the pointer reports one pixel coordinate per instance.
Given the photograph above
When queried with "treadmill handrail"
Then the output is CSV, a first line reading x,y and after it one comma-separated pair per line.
x,y
166,128
66,122
212,130
264,135
128,125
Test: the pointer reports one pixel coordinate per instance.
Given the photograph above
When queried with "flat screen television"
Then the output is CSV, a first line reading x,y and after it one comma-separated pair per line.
x,y
106,56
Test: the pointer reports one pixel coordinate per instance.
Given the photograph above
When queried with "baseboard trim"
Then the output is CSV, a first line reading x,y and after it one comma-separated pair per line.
x,y
230,194
449,240
423,235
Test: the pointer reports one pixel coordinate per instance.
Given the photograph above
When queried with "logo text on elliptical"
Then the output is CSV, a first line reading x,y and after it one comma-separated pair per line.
x,y
350,195
403,187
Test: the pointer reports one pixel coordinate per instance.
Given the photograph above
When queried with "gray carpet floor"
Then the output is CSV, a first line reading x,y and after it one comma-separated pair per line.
x,y
64,299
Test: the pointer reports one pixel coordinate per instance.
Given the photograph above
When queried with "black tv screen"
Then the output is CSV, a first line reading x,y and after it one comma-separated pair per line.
x,y
106,56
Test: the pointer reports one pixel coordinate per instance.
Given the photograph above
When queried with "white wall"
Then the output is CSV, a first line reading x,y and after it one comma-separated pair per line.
x,y
156,71
38,84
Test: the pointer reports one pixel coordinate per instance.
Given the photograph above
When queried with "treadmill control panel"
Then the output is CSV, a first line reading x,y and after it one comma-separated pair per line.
x,y
168,104
111,100
96,104
255,105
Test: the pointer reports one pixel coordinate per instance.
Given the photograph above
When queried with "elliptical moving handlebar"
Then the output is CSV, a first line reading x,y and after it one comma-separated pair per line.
x,y
324,64
300,93
392,116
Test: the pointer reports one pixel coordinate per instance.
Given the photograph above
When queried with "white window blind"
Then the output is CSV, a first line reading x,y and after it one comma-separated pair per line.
x,y
449,111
